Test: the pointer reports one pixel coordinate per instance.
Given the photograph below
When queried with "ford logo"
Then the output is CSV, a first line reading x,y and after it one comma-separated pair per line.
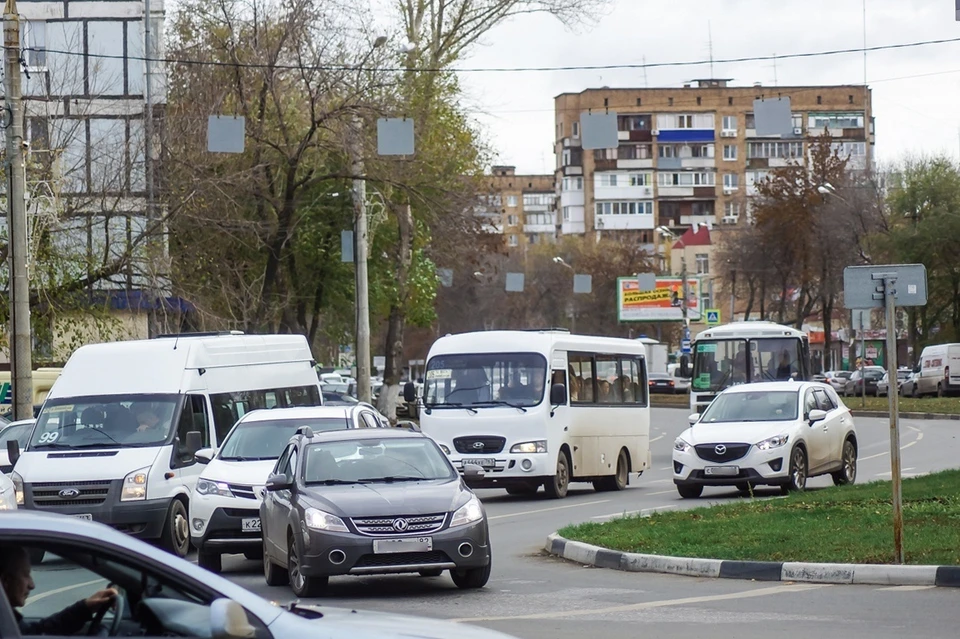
x,y
720,449
478,445
69,493
400,525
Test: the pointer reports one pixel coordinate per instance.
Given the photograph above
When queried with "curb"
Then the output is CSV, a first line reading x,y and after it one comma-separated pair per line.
x,y
864,574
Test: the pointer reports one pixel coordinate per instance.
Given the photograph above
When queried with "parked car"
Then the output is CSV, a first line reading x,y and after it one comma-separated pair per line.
x,y
869,375
938,371
19,431
769,433
663,383
370,502
161,595
838,379
908,388
884,384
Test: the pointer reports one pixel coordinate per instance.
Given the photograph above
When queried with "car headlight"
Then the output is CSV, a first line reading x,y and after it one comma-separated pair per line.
x,y
319,520
8,499
207,487
539,446
681,446
773,442
17,487
443,447
135,486
469,513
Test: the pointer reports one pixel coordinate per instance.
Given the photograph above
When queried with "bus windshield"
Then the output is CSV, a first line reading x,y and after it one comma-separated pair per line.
x,y
720,363
485,379
110,421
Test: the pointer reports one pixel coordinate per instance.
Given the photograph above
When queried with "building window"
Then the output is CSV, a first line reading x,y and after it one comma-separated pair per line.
x,y
605,154
512,220
731,209
749,121
729,123
532,238
606,179
820,121
625,208
703,209
512,240
731,181
511,200
775,150
686,151
573,184
576,129
538,199
639,179
566,213
686,179
729,151
34,38
633,122
703,264
635,152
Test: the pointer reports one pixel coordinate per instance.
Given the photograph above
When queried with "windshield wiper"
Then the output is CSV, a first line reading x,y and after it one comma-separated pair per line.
x,y
451,405
501,402
335,482
53,445
246,459
392,478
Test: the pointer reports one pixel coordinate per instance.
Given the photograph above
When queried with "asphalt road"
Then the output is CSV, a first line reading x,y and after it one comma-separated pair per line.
x,y
533,596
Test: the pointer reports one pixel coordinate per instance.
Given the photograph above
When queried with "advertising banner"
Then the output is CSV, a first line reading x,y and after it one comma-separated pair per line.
x,y
662,304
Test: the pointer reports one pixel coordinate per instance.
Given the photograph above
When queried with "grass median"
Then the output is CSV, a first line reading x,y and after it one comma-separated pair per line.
x,y
848,524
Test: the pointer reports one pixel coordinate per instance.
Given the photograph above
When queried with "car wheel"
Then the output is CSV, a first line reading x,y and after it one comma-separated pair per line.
x,y
300,584
274,574
915,393
798,471
939,390
523,490
556,487
254,555
745,489
431,573
617,481
847,474
690,491
210,561
471,578
176,532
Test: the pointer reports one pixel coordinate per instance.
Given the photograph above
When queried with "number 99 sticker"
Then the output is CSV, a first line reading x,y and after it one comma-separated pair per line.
x,y
48,437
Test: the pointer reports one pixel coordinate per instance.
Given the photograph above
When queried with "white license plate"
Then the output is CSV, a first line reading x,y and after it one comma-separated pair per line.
x,y
721,471
484,462
250,525
411,544
86,516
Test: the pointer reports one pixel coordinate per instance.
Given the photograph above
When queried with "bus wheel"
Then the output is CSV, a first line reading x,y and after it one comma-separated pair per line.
x,y
617,481
556,487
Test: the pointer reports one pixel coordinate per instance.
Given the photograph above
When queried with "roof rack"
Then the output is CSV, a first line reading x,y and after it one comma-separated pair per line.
x,y
207,334
545,330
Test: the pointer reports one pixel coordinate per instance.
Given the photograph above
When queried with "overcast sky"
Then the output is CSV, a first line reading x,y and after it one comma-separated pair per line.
x,y
915,91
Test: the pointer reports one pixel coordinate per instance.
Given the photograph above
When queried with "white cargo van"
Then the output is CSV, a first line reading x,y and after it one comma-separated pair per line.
x,y
116,437
939,370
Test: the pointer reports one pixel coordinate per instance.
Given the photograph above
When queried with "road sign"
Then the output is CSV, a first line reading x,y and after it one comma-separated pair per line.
x,y
713,316
685,346
863,285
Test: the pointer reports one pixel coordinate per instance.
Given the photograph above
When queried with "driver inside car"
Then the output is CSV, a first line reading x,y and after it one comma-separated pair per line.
x,y
17,584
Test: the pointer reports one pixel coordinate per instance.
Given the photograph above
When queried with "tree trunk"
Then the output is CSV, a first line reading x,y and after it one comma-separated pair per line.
x,y
390,393
827,328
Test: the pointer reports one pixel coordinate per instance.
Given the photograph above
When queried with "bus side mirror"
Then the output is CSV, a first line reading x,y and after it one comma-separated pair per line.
x,y
194,443
13,451
684,366
558,395
409,393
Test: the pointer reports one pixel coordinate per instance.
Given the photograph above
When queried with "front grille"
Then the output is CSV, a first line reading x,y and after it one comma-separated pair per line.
x,y
708,452
416,524
90,493
479,445
402,559
241,512
242,492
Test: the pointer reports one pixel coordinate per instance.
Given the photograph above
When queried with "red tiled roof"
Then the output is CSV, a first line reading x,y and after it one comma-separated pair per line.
x,y
689,238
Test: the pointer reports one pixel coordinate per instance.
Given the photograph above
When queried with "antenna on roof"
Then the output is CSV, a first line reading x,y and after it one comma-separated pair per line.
x,y
176,341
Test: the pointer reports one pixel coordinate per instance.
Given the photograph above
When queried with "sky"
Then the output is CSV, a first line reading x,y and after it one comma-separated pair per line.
x,y
916,91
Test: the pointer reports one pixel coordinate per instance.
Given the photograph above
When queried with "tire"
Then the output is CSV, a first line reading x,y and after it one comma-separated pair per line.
x,y
940,390
798,472
690,491
472,578
523,490
745,489
431,573
210,561
274,574
300,584
617,481
915,392
254,555
556,487
848,474
176,532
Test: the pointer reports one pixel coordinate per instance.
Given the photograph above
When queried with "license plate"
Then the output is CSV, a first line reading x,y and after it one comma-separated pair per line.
x,y
411,544
722,471
483,462
250,525
86,516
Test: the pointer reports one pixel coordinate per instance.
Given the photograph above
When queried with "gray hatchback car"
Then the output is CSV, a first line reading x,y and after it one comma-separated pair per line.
x,y
368,502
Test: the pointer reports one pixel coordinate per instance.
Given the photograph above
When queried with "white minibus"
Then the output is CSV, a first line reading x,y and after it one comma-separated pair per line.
x,y
116,437
534,408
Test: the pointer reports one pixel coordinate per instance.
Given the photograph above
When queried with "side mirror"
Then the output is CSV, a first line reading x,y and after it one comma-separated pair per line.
x,y
228,620
13,451
558,395
279,482
684,366
194,442
409,393
414,426
693,418
204,455
817,415
472,471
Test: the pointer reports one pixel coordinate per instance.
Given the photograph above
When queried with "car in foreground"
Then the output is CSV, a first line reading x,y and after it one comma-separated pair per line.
x,y
225,510
771,433
19,431
164,596
368,502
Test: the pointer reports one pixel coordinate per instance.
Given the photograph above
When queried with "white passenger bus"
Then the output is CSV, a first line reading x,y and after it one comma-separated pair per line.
x,y
487,403
720,358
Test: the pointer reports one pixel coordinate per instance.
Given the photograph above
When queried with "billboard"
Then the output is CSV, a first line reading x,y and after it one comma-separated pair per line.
x,y
659,305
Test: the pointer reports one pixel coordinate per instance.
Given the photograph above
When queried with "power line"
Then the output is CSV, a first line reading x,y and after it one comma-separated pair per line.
x,y
601,67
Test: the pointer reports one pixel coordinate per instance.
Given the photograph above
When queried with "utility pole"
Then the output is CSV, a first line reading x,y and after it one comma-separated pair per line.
x,y
889,301
148,111
733,294
21,365
863,364
360,237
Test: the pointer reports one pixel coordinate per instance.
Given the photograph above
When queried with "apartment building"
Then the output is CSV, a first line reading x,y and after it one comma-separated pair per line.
x,y
692,154
521,207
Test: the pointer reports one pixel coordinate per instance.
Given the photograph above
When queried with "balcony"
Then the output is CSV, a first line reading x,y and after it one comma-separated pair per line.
x,y
540,223
573,228
646,163
624,222
623,193
571,198
605,165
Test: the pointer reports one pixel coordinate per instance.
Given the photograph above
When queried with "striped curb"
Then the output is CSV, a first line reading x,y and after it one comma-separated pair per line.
x,y
863,574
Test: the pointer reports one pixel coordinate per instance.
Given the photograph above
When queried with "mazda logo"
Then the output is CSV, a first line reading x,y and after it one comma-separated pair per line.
x,y
400,525
720,449
478,445
69,493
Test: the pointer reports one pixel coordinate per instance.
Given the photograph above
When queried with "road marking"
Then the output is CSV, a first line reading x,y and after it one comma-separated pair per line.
x,y
904,447
642,513
545,510
647,605
658,481
667,468
656,439
43,595
664,492
905,588
903,472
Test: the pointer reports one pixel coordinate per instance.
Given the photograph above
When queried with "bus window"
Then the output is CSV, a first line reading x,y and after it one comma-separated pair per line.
x,y
608,380
581,371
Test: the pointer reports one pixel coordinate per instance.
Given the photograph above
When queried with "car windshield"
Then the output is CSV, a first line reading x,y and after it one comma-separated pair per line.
x,y
260,440
375,460
516,379
19,432
109,421
903,374
756,406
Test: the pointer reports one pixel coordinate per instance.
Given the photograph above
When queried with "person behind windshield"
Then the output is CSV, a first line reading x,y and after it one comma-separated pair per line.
x,y
17,584
784,370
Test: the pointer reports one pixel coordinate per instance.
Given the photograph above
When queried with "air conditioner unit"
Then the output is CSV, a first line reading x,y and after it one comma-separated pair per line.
x,y
729,219
655,132
727,190
798,130
728,134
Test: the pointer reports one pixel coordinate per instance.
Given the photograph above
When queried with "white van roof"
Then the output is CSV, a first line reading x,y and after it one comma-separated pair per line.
x,y
158,365
534,341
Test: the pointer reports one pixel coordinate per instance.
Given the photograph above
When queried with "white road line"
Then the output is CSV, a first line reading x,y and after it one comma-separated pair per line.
x,y
545,510
43,595
904,447
904,588
658,481
647,605
665,492
667,468
903,472
656,439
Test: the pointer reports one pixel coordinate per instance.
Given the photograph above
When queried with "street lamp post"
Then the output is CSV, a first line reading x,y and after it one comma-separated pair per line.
x,y
573,301
667,233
